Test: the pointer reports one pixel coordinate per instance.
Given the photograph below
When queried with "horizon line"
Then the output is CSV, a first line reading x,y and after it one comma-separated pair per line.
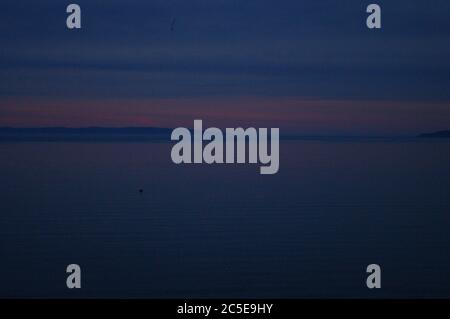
x,y
155,129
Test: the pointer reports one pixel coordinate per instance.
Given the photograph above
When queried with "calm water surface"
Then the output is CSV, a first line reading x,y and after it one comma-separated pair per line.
x,y
225,230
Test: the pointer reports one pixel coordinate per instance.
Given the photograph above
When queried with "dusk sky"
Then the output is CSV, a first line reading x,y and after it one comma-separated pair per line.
x,y
309,67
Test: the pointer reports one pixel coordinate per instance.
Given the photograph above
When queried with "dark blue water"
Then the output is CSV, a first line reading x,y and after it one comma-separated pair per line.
x,y
225,230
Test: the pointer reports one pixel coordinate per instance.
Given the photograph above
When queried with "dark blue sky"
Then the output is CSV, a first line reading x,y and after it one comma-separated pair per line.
x,y
319,50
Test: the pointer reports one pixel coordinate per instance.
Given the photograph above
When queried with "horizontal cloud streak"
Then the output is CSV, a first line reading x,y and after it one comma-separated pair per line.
x,y
291,114
264,48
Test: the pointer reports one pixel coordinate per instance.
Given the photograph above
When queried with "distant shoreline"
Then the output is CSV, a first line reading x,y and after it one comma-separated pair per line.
x,y
136,134
85,130
438,134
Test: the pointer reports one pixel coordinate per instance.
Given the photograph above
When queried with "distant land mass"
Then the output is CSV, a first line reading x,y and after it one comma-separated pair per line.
x,y
436,134
86,130
54,134
94,133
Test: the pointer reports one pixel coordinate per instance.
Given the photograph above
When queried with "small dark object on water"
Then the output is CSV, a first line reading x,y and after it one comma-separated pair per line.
x,y
141,190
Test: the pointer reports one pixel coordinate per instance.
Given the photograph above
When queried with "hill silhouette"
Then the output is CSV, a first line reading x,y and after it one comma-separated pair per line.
x,y
438,134
84,133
